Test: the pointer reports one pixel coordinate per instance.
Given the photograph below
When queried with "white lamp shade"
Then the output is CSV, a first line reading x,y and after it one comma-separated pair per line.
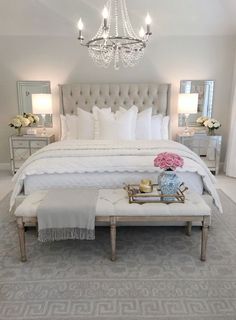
x,y
188,103
42,103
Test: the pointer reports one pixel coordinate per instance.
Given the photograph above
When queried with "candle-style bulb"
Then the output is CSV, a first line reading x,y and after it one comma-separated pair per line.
x,y
105,13
80,25
141,32
148,19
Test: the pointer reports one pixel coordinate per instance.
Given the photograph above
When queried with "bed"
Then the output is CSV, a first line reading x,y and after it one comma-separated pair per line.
x,y
106,164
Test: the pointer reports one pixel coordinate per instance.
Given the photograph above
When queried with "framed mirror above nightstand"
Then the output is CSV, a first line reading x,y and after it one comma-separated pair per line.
x,y
205,91
25,89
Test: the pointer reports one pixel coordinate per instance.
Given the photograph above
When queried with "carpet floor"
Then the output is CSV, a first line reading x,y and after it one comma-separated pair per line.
x,y
158,274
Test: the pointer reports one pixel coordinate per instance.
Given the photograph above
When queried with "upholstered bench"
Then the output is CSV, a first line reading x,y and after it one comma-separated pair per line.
x,y
113,208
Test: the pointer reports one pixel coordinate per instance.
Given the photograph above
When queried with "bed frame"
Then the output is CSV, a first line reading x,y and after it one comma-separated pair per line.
x,y
143,95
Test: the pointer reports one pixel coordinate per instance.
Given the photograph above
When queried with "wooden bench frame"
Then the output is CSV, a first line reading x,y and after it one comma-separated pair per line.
x,y
23,222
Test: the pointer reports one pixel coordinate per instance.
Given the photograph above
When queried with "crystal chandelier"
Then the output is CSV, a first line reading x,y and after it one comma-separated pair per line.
x,y
116,40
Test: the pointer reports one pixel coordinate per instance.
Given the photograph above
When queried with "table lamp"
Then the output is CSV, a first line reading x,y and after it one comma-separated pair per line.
x,y
188,103
42,104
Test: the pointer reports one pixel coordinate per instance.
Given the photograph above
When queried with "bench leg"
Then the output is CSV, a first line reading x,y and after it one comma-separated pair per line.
x,y
205,225
113,237
189,228
21,234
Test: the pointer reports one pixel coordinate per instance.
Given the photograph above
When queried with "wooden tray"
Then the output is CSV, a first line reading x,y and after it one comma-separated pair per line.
x,y
135,196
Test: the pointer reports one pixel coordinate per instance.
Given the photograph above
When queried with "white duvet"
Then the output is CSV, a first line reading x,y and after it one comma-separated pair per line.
x,y
81,156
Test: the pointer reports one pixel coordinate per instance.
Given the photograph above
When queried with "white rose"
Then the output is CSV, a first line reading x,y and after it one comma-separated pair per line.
x,y
25,122
31,119
210,125
216,124
36,118
16,123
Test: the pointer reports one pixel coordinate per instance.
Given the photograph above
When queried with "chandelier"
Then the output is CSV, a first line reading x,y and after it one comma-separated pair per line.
x,y
116,40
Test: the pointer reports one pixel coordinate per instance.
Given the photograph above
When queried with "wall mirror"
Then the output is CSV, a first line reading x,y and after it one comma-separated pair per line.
x,y
24,91
205,90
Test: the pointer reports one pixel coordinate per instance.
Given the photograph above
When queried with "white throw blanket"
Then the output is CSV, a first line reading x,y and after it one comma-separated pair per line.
x,y
80,156
67,214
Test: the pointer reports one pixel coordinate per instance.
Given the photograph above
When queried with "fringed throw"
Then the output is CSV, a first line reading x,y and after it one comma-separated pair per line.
x,y
58,234
67,214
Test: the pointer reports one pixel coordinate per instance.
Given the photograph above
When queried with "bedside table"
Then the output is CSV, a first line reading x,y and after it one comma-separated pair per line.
x,y
207,147
21,147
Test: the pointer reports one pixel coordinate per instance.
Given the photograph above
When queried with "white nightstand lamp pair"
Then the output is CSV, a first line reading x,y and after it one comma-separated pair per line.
x,y
42,104
188,103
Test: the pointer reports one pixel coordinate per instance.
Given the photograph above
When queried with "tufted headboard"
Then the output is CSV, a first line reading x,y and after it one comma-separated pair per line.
x,y
103,95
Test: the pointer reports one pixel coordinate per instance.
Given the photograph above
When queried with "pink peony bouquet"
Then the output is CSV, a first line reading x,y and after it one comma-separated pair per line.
x,y
168,161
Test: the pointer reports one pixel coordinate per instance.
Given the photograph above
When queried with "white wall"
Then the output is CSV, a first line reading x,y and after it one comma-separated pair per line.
x,y
62,60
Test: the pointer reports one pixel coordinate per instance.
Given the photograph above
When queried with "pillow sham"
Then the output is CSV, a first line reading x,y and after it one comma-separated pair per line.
x,y
72,126
143,125
85,125
63,127
117,126
133,109
156,127
165,127
96,110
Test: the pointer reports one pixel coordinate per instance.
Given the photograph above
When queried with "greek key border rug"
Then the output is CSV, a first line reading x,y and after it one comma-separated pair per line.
x,y
158,274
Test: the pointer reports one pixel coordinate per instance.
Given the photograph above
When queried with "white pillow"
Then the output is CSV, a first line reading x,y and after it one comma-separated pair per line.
x,y
72,126
96,122
116,126
85,125
143,125
165,127
156,124
133,109
63,127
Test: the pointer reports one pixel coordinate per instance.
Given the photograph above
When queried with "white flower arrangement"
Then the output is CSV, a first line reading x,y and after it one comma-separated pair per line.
x,y
33,119
209,123
24,121
19,121
212,124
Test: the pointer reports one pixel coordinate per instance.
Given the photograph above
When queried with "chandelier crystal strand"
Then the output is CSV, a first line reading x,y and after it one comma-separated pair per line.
x,y
116,39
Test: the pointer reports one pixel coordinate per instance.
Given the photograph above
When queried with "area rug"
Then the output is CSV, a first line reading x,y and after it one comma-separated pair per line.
x,y
158,274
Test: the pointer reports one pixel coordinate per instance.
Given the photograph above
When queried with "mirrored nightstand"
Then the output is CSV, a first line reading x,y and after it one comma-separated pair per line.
x,y
21,147
207,147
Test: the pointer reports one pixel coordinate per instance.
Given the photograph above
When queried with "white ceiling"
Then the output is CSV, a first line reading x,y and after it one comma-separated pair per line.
x,y
170,17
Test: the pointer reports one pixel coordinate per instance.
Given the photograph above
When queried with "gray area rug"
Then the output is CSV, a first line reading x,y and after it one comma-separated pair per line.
x,y
158,274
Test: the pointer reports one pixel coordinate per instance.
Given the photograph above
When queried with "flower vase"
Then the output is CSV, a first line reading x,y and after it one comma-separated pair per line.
x,y
211,132
169,183
18,132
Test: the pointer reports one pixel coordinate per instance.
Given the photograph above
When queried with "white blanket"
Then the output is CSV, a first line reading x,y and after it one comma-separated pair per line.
x,y
80,156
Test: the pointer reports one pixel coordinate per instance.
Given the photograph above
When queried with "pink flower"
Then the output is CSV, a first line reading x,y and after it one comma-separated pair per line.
x,y
168,160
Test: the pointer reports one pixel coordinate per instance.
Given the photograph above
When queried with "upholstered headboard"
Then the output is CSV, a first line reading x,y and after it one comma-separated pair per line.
x,y
142,95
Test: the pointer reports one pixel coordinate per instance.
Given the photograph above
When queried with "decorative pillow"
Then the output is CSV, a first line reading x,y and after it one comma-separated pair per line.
x,y
63,127
85,124
116,126
72,126
156,124
96,110
165,127
143,125
133,109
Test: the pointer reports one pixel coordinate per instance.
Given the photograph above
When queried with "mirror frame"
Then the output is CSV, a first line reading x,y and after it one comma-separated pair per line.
x,y
205,90
28,87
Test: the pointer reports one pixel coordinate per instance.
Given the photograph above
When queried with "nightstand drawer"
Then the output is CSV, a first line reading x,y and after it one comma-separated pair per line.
x,y
36,144
20,143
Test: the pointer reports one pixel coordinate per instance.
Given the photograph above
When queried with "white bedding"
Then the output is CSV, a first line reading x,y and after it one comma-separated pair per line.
x,y
93,156
34,183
